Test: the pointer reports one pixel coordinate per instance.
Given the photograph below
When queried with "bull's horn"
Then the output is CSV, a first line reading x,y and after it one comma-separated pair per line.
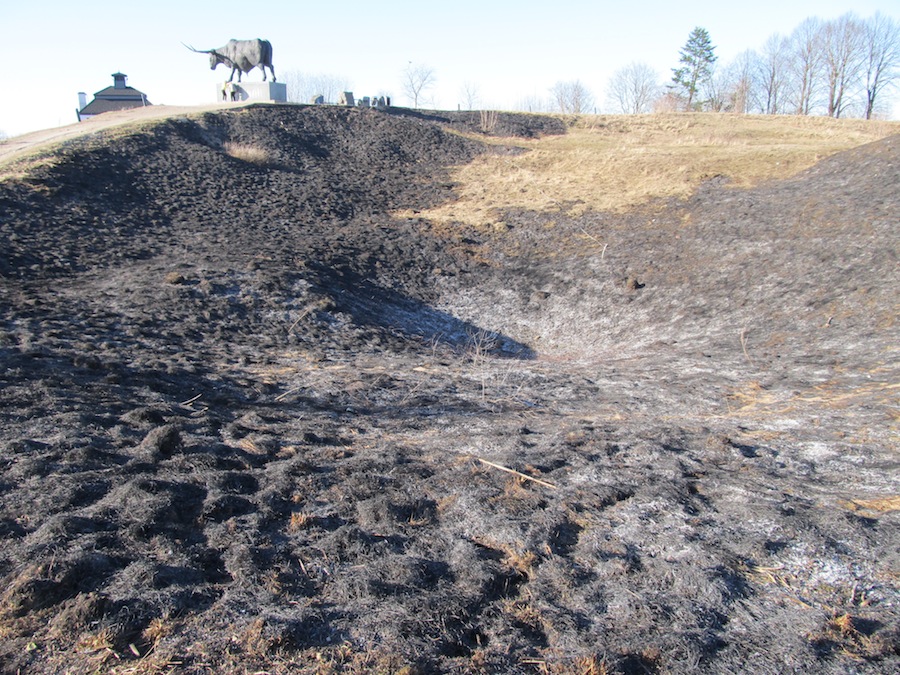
x,y
199,51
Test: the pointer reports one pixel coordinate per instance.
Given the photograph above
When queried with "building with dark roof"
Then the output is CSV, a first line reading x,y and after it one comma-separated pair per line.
x,y
117,97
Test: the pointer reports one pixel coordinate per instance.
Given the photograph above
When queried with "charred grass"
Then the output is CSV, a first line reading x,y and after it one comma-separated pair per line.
x,y
551,432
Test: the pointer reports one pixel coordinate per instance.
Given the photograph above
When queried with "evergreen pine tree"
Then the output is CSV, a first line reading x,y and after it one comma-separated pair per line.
x,y
698,58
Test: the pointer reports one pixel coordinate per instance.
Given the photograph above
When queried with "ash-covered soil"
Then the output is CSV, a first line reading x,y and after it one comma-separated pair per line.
x,y
250,421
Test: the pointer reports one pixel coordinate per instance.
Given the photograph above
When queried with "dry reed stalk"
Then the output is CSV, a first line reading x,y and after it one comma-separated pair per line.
x,y
516,473
287,393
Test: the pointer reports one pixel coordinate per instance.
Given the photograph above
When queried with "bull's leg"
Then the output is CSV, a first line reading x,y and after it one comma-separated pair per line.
x,y
273,74
263,68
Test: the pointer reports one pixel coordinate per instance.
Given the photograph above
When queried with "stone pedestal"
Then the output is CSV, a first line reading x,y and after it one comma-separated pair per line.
x,y
272,92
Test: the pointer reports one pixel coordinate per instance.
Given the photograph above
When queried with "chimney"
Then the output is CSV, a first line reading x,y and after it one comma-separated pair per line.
x,y
82,100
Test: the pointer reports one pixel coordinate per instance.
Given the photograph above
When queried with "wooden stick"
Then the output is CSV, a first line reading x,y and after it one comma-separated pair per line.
x,y
288,392
517,473
190,400
300,318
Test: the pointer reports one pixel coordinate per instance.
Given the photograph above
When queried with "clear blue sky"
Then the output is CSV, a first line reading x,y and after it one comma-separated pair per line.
x,y
510,50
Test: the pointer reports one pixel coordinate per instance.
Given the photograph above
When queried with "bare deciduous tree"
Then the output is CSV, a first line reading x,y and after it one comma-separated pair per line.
x,y
714,91
533,104
470,95
882,57
418,79
668,102
303,87
572,98
836,67
773,74
805,63
843,51
633,89
738,82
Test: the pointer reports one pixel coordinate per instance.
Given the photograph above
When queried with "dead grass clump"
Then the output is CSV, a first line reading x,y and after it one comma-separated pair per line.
x,y
519,561
613,163
246,152
853,637
754,399
879,505
254,640
345,659
581,665
94,642
156,630
300,521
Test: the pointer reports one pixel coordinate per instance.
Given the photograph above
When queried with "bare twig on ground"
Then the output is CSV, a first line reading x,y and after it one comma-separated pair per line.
x,y
744,346
287,393
599,243
516,473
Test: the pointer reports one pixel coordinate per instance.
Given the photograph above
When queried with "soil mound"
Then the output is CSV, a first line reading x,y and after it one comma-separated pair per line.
x,y
253,421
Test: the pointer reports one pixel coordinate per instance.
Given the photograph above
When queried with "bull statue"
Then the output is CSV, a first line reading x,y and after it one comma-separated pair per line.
x,y
241,56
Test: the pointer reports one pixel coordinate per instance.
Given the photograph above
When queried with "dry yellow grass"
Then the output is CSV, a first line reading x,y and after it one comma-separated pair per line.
x,y
300,521
617,162
877,505
248,153
752,400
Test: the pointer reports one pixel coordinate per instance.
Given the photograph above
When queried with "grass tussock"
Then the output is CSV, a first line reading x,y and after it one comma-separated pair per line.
x,y
247,152
613,163
752,399
877,505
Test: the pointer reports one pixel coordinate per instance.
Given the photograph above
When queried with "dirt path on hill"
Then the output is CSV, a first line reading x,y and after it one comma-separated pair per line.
x,y
17,146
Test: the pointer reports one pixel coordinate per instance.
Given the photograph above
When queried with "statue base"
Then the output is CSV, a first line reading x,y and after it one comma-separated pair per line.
x,y
273,92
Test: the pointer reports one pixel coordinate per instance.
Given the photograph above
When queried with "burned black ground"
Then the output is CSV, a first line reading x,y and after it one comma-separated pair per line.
x,y
253,421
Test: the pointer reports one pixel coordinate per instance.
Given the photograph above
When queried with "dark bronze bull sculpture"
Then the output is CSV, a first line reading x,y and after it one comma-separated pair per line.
x,y
241,56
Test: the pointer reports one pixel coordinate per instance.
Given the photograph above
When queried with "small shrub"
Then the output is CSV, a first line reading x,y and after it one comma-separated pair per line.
x,y
489,120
